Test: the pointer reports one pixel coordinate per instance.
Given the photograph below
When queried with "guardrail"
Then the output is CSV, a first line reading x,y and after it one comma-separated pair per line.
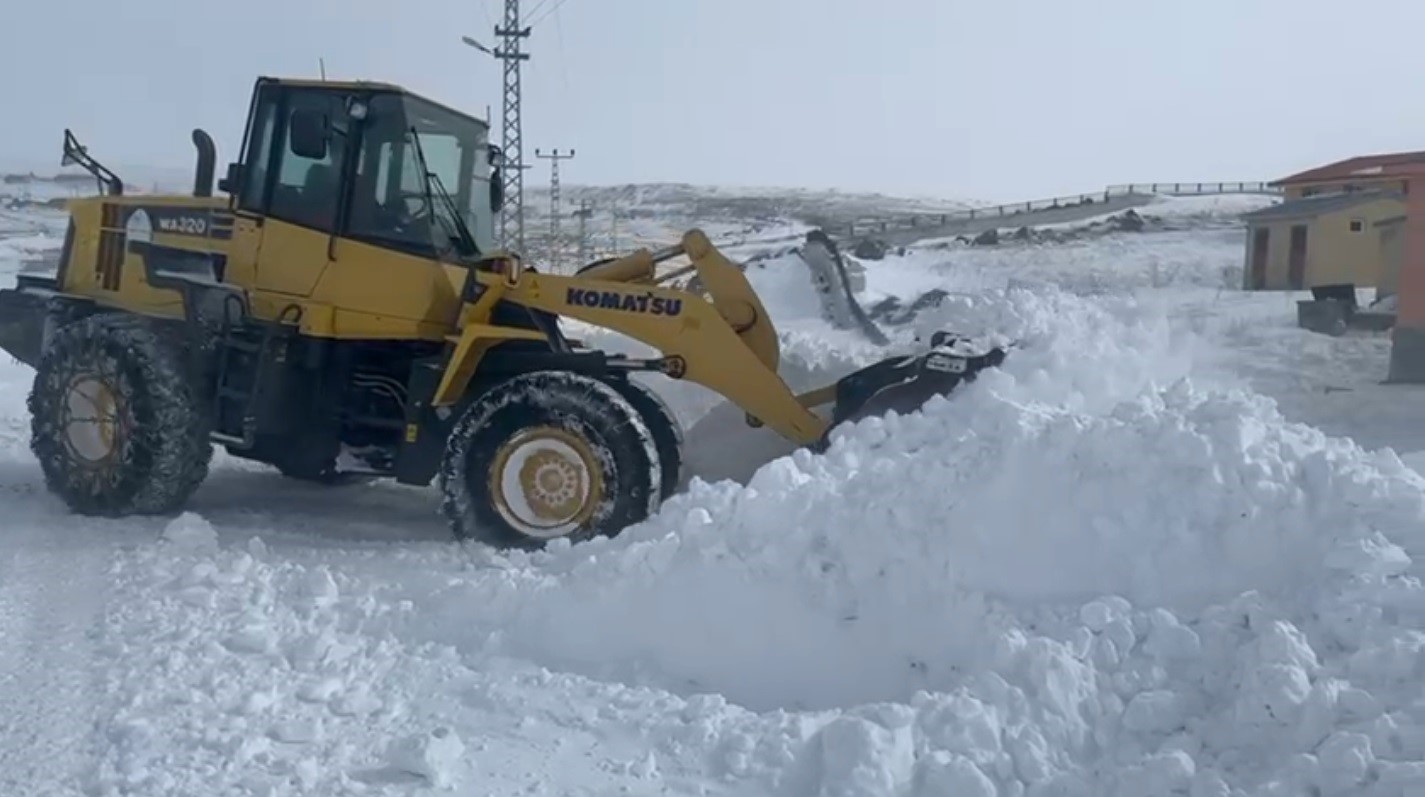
x,y
1013,209
1193,189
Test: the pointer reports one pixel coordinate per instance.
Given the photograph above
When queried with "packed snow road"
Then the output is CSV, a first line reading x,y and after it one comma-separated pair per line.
x,y
1112,567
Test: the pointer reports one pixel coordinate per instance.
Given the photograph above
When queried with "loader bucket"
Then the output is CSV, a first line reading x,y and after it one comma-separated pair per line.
x,y
728,444
903,384
22,325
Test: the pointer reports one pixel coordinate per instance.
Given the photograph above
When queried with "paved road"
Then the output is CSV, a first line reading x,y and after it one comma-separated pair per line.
x,y
974,226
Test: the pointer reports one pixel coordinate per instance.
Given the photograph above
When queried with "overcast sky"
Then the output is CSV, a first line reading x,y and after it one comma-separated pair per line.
x,y
994,99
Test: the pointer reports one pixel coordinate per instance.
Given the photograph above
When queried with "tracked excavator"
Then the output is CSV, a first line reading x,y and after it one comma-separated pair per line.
x,y
343,299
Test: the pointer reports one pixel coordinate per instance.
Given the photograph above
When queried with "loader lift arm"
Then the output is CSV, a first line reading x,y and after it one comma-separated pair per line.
x,y
727,344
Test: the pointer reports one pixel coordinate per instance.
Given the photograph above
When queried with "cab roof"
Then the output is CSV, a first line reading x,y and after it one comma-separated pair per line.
x,y
355,85
364,85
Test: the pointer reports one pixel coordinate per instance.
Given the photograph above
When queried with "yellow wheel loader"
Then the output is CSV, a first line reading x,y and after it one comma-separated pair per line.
x,y
343,298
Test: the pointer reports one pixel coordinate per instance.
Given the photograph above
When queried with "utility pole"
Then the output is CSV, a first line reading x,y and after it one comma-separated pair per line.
x,y
613,229
512,219
513,166
554,158
583,213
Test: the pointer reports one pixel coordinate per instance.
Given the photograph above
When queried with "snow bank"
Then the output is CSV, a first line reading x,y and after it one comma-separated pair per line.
x,y
1221,206
1083,575
1091,572
1116,264
1198,209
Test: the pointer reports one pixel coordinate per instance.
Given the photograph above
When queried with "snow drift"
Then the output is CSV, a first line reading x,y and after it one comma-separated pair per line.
x,y
1103,569
1084,572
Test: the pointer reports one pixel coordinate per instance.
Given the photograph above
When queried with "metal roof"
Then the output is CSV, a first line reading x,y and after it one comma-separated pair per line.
x,y
1363,167
1316,205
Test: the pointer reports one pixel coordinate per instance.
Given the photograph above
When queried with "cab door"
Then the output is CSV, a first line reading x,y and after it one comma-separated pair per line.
x,y
249,193
287,211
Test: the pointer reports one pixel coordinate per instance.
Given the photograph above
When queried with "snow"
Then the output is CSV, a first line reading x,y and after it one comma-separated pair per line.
x,y
1220,206
1169,548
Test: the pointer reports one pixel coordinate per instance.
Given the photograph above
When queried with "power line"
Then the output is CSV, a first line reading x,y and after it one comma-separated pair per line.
x,y
554,158
546,14
537,6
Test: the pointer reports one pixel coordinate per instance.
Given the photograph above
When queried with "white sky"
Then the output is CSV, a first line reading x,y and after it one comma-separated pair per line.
x,y
994,99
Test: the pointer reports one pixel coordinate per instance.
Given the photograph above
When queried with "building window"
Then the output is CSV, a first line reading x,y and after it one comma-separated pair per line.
x,y
1358,225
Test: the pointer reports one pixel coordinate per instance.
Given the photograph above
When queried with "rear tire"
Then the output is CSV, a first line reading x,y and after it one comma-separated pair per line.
x,y
548,455
116,423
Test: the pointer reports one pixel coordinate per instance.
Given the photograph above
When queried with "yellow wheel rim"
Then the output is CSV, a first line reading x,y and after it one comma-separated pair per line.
x,y
92,418
546,482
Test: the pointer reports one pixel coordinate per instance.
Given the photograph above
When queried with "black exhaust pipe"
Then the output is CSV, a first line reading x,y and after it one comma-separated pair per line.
x,y
207,162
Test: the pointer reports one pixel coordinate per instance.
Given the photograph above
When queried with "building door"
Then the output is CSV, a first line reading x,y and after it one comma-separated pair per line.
x,y
1296,258
1261,238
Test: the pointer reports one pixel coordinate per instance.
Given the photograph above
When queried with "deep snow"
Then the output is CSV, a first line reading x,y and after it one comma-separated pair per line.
x,y
1112,567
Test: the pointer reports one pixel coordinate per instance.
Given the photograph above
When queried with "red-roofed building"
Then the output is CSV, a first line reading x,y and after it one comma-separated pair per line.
x,y
1365,172
1402,239
1404,172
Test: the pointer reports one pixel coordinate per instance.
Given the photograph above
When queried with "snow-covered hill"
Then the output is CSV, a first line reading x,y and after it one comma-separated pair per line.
x,y
1113,567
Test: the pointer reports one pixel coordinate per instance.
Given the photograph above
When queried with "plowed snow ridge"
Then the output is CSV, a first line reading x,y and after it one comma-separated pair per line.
x,y
1083,571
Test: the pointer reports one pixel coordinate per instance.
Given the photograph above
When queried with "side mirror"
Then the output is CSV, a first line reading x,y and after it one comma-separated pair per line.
x,y
231,180
307,131
497,190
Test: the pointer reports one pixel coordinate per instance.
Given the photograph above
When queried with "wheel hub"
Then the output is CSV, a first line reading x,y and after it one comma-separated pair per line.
x,y
546,482
91,423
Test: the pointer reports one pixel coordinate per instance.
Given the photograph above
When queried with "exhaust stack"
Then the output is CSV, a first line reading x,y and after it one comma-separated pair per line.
x,y
207,162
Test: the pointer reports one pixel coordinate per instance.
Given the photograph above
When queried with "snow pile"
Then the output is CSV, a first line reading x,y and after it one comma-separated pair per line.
x,y
1091,572
1218,206
1119,263
1195,210
1082,575
235,674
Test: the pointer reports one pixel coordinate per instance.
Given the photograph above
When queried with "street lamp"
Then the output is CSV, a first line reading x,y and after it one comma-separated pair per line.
x,y
477,45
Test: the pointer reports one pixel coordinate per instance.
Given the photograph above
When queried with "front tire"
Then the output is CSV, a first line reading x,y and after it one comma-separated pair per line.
x,y
116,424
667,433
548,455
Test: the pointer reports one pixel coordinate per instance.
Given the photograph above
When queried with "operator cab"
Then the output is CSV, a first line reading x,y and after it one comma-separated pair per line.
x,y
369,162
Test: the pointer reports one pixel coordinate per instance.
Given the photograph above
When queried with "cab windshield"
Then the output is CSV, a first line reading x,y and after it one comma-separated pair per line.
x,y
393,204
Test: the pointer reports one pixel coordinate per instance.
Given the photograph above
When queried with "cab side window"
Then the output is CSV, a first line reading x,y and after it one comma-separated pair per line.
x,y
306,191
252,195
